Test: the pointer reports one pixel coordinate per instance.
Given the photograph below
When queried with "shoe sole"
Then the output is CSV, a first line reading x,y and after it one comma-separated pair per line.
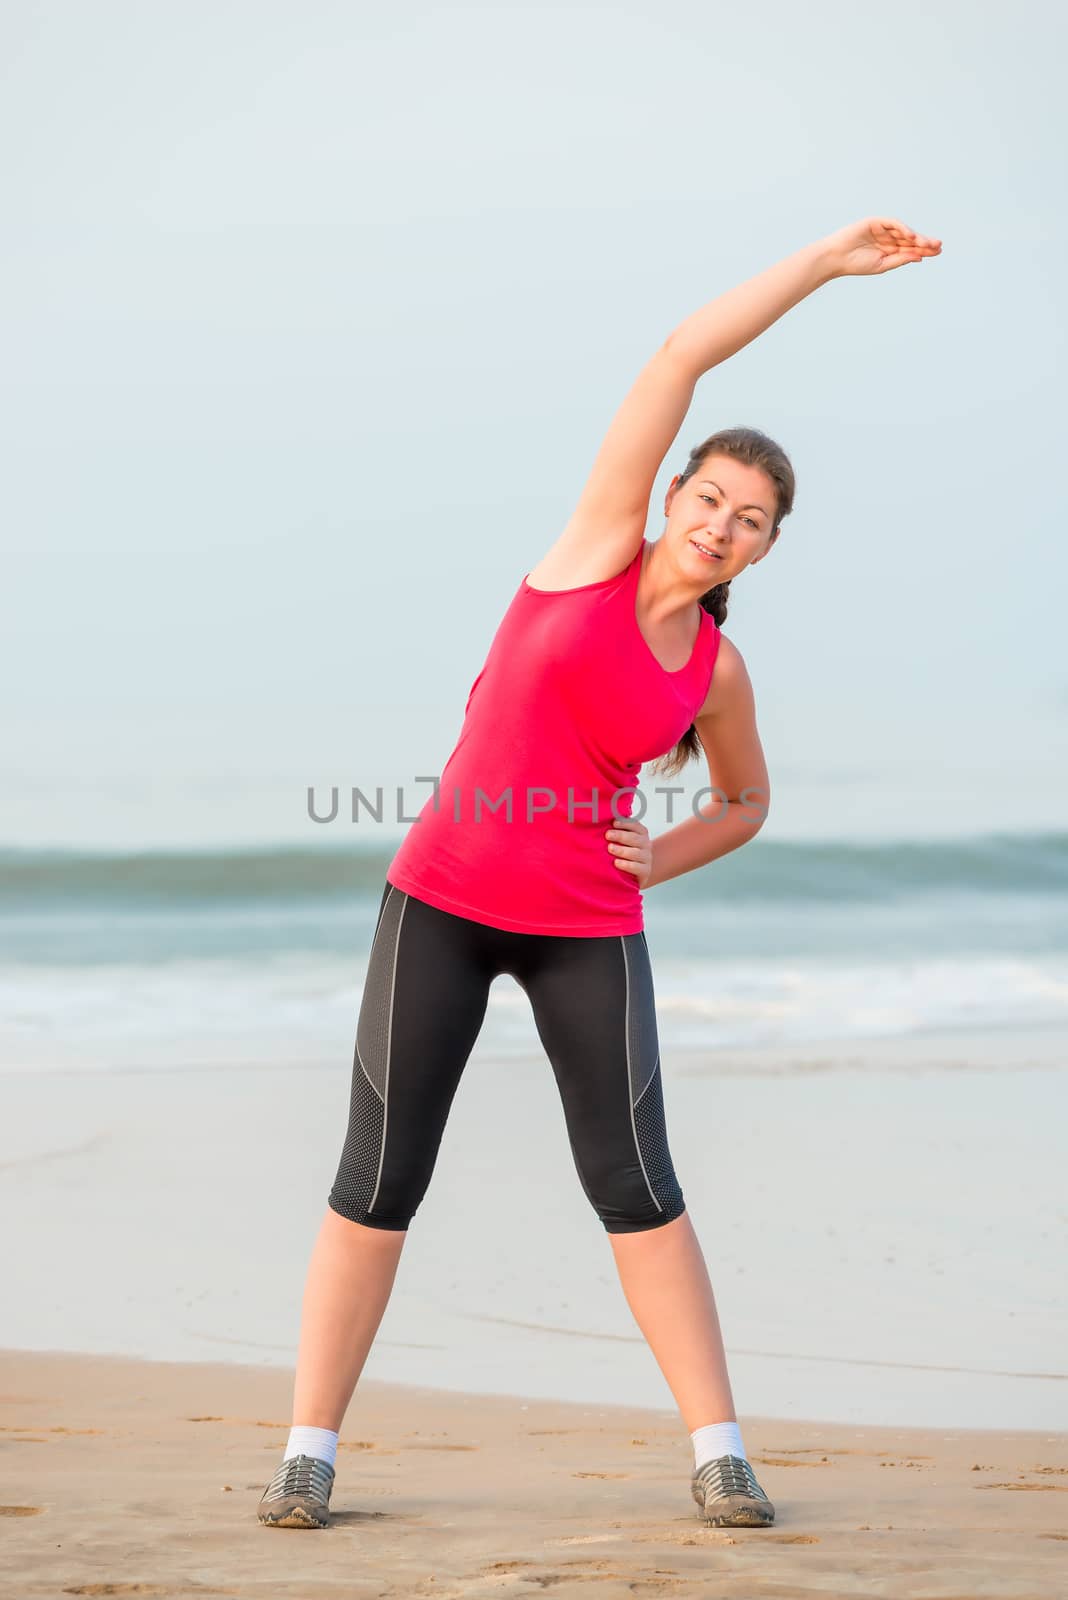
x,y
293,1517
739,1514
742,1517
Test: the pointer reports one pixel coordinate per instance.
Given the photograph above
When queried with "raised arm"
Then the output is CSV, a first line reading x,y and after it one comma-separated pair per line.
x,y
608,522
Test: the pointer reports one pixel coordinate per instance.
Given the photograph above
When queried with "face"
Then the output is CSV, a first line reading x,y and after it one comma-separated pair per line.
x,y
727,509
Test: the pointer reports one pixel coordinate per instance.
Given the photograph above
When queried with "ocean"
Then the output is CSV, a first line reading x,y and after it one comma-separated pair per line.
x,y
157,958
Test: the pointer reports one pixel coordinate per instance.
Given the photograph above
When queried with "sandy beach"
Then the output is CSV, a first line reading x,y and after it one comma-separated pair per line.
x,y
895,1344
122,1477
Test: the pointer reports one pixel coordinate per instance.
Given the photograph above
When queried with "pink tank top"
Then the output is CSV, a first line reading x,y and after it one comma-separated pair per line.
x,y
569,703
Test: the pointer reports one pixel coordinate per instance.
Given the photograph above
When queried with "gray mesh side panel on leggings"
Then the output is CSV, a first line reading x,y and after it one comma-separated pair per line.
x,y
646,1087
651,1130
360,1168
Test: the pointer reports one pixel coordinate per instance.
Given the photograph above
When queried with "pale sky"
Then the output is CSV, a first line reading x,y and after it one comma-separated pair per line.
x,y
314,316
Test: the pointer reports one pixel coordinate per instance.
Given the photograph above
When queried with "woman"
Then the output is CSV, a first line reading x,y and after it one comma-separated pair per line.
x,y
528,861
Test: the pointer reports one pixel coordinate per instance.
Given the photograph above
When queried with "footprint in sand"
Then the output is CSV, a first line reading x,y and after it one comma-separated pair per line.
x,y
21,1511
1061,1488
534,1432
440,1447
588,1538
826,1450
28,1427
117,1588
586,1566
694,1535
244,1422
598,1571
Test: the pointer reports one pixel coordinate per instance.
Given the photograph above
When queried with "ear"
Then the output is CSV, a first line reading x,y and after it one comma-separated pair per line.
x,y
757,559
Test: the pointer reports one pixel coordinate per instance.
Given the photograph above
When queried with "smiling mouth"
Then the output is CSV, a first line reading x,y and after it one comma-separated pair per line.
x,y
709,554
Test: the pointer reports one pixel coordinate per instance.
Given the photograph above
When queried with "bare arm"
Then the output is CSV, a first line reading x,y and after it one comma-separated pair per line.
x,y
737,771
608,523
727,324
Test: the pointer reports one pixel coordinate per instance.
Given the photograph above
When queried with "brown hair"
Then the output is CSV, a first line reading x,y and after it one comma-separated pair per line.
x,y
753,449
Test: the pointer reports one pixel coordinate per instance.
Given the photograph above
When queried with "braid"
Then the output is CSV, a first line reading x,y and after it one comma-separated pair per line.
x,y
715,600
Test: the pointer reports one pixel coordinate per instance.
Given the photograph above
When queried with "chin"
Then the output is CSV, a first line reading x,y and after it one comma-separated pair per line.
x,y
712,570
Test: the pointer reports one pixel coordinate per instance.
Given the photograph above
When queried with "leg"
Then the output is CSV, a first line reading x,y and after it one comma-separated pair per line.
x,y
349,1282
666,1284
593,1005
423,1005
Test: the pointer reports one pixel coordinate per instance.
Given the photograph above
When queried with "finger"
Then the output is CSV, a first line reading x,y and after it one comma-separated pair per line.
x,y
909,235
900,258
890,227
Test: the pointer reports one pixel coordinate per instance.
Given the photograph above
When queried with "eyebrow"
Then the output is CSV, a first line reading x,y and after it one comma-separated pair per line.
x,y
741,508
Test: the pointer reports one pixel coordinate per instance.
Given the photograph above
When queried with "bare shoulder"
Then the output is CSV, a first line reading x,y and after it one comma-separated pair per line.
x,y
730,688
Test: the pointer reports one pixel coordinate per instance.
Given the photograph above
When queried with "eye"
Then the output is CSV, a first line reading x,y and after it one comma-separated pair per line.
x,y
750,520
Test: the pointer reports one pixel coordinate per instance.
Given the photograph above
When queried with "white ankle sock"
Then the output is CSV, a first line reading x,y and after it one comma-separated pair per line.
x,y
716,1439
320,1442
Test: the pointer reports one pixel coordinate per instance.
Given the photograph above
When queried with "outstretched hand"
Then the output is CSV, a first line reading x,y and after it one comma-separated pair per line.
x,y
877,244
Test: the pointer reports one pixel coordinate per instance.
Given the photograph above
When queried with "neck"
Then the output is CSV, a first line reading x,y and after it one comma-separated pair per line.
x,y
669,592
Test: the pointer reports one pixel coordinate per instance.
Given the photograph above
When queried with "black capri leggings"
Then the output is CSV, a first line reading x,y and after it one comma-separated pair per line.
x,y
424,1001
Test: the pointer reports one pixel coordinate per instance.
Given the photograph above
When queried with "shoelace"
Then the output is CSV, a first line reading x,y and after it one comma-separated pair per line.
x,y
302,1475
730,1475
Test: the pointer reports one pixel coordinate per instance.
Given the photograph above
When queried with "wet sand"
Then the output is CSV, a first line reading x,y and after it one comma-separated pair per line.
x,y
880,1251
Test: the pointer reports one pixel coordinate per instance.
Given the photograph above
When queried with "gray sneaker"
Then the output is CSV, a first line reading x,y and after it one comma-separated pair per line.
x,y
298,1496
729,1495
